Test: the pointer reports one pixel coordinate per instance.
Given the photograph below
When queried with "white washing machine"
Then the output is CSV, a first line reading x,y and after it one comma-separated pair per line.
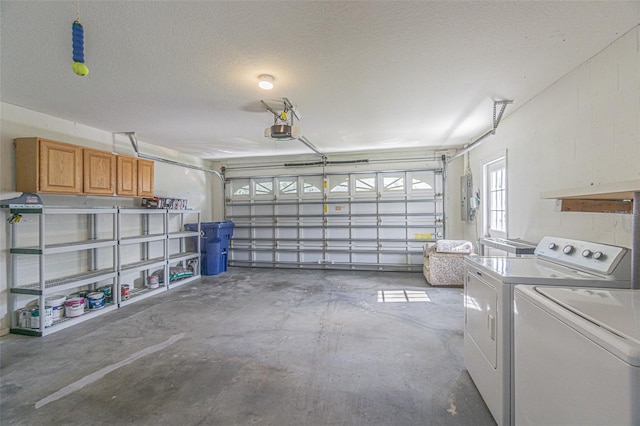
x,y
489,289
577,356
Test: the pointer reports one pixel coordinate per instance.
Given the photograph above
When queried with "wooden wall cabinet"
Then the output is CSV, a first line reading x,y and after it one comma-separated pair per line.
x,y
145,178
47,166
134,177
127,176
99,172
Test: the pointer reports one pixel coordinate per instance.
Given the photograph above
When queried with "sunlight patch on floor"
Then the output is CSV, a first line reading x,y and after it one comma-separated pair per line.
x,y
402,296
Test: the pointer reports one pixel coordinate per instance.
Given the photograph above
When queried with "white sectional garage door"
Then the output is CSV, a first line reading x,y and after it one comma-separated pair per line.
x,y
368,220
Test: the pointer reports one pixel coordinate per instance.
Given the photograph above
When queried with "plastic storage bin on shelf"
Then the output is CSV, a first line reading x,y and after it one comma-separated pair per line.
x,y
214,245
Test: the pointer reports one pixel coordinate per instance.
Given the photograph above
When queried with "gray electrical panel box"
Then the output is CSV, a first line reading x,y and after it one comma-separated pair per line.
x,y
466,195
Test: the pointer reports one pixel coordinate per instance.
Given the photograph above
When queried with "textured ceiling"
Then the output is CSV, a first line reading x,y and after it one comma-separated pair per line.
x,y
364,75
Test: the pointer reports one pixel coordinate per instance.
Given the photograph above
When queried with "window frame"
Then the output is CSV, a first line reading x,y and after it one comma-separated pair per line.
x,y
491,165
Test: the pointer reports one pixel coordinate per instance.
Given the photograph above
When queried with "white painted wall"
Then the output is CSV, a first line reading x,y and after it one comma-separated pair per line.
x,y
170,180
582,130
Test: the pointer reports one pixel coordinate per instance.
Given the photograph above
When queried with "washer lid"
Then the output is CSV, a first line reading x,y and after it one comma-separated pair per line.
x,y
615,310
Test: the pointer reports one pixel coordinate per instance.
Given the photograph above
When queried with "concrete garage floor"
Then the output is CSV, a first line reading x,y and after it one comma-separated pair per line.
x,y
253,346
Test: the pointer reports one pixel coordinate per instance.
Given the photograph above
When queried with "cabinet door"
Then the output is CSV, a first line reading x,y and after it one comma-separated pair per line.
x,y
60,167
127,180
99,172
27,164
145,178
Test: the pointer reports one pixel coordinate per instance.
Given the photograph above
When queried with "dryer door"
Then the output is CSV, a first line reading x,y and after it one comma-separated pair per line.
x,y
481,313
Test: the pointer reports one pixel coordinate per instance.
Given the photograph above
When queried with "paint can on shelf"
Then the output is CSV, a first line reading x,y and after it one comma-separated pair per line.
x,y
153,281
84,293
35,317
24,318
125,292
56,302
95,300
74,307
107,291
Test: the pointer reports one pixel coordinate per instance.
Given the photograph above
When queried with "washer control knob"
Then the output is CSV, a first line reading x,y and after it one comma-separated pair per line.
x,y
568,249
598,255
586,253
553,246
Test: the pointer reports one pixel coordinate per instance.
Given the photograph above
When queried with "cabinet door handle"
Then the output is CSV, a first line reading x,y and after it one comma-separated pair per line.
x,y
491,325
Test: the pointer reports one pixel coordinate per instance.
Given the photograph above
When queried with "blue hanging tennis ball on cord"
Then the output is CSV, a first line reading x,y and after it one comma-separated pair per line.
x,y
77,35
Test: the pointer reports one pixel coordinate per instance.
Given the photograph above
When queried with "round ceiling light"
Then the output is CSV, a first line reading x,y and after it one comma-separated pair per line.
x,y
266,81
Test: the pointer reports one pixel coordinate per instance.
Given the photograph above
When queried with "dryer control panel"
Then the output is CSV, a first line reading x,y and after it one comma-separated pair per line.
x,y
605,260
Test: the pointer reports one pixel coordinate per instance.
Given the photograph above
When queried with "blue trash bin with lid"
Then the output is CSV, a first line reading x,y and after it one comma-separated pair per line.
x,y
214,245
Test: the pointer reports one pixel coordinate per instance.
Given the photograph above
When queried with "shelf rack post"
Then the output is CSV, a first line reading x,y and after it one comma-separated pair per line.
x,y
41,260
165,247
116,297
13,279
145,247
635,243
91,260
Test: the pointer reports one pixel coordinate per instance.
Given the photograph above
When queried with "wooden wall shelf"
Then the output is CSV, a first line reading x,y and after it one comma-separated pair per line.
x,y
608,198
608,191
605,198
596,206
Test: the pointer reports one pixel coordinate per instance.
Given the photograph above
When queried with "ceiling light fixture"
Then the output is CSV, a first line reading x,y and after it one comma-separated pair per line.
x,y
266,81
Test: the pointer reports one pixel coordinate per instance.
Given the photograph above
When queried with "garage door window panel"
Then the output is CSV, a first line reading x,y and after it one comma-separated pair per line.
x,y
288,187
393,183
338,185
240,188
365,185
263,188
422,182
312,186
